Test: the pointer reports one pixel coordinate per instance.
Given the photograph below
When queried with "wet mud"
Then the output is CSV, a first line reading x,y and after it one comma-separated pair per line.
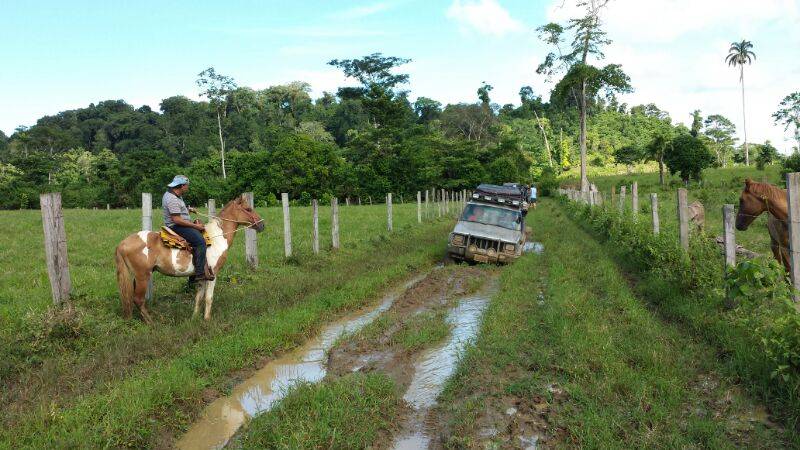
x,y
460,294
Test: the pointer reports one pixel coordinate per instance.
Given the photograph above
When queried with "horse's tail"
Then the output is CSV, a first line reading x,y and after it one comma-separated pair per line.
x,y
124,282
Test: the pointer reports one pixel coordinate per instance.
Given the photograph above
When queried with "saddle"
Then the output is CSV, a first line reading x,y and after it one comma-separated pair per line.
x,y
174,240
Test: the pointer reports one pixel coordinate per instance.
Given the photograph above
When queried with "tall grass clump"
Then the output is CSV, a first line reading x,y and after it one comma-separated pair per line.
x,y
747,312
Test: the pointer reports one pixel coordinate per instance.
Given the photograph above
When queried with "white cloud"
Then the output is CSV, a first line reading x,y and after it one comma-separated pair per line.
x,y
484,16
359,12
673,51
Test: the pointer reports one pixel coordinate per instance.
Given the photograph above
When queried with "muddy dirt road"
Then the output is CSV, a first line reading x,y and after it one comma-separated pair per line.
x,y
414,335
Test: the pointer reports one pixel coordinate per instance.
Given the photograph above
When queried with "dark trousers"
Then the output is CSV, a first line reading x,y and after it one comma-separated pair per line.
x,y
195,239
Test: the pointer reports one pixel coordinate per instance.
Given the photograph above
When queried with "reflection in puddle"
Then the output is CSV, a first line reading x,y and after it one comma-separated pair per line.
x,y
535,247
434,366
257,394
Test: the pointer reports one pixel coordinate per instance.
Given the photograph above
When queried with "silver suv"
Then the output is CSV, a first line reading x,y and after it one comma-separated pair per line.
x,y
491,227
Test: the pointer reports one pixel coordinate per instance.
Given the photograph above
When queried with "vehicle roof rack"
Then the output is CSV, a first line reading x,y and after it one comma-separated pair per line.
x,y
504,195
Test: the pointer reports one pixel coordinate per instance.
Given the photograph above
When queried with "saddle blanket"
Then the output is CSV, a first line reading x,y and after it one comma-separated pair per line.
x,y
173,240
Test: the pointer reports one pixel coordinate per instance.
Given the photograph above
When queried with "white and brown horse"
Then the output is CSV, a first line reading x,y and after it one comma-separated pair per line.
x,y
142,253
758,198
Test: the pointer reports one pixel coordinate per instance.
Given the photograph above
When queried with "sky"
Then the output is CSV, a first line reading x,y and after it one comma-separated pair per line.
x,y
58,55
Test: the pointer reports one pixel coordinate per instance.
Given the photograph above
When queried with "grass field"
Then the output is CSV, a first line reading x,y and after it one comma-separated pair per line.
x,y
89,378
719,186
584,363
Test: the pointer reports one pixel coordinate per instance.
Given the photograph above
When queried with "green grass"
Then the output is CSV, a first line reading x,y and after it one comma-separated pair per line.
x,y
343,413
102,380
719,186
630,380
422,330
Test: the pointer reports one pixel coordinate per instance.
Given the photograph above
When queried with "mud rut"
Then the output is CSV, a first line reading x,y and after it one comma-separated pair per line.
x,y
368,341
461,294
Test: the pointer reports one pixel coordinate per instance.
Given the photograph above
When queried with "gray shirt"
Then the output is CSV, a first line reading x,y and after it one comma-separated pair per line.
x,y
173,204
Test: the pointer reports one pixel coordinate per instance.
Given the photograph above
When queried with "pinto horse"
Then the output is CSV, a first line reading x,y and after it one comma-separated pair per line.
x,y
758,198
142,253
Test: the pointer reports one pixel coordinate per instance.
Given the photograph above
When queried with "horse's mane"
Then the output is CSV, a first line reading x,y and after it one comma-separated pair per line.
x,y
770,191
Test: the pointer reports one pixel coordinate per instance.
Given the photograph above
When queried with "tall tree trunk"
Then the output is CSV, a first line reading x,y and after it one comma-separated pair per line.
x,y
584,178
221,145
661,168
744,120
544,135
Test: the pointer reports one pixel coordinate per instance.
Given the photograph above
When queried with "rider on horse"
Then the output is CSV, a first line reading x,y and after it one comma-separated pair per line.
x,y
176,217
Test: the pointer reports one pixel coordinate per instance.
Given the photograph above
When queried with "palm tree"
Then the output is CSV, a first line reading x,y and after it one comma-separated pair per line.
x,y
738,55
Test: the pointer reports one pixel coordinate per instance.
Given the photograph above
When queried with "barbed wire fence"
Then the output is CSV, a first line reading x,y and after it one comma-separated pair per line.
x,y
791,252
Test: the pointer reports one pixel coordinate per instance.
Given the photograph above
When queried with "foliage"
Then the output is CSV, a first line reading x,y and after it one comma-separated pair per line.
x,y
767,155
788,114
792,163
688,156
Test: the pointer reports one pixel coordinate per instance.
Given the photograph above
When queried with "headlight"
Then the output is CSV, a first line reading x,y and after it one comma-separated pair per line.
x,y
509,248
457,239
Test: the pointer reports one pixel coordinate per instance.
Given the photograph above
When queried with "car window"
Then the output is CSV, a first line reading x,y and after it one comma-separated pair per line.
x,y
490,215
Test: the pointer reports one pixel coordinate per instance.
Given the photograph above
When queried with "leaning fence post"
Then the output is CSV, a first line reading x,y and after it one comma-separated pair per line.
x,y
622,199
315,229
635,200
55,246
287,226
793,198
250,240
212,207
389,211
654,208
335,223
683,218
147,225
728,236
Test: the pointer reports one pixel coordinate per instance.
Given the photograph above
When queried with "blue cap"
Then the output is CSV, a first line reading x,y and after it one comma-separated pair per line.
x,y
179,180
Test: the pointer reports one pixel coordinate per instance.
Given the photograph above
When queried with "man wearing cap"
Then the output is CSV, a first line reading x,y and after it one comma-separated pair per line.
x,y
176,217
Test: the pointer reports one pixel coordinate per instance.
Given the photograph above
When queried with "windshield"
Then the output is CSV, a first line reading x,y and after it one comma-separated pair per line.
x,y
490,215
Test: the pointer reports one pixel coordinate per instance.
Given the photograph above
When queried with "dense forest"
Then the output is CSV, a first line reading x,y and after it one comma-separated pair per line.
x,y
362,141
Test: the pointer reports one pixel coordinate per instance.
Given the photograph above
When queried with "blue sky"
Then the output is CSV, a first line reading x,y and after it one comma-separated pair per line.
x,y
59,55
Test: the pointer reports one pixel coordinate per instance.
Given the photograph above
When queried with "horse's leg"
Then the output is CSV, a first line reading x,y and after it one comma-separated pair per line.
x,y
199,295
139,292
209,294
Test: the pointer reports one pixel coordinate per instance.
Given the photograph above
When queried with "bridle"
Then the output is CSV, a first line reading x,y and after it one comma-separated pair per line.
x,y
250,223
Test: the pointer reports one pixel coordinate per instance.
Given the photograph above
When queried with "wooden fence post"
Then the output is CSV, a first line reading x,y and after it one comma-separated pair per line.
x,y
654,212
622,199
389,210
635,200
147,225
427,203
287,226
613,195
315,229
419,207
212,207
793,198
335,222
55,246
438,200
683,218
250,239
729,236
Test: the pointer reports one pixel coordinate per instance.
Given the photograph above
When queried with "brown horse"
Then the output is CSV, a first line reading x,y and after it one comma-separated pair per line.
x,y
144,252
757,198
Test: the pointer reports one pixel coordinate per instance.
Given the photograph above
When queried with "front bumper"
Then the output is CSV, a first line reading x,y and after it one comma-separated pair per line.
x,y
472,253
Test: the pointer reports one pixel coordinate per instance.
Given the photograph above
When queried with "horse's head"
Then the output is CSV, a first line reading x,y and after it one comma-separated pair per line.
x,y
751,205
238,210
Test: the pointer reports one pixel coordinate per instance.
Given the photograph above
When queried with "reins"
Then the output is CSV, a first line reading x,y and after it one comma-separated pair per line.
x,y
250,224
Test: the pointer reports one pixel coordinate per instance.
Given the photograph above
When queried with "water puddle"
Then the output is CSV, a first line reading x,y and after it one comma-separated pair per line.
x,y
434,366
223,417
535,247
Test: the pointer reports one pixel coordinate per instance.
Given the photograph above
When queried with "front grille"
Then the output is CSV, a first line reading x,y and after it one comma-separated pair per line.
x,y
484,244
